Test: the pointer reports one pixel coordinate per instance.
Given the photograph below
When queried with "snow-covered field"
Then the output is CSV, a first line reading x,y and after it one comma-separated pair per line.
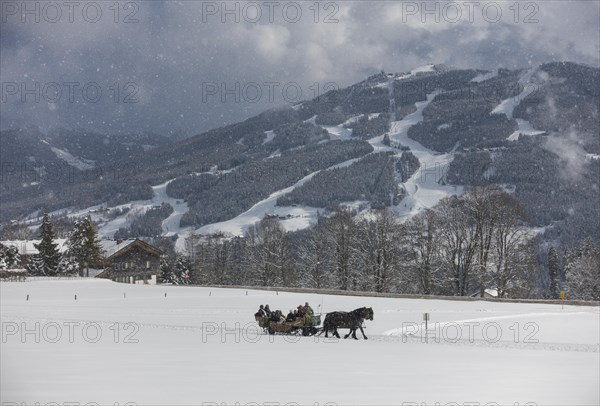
x,y
201,346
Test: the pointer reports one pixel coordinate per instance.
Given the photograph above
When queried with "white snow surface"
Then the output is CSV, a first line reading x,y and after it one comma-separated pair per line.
x,y
79,163
423,187
412,73
338,132
524,128
423,69
107,228
269,136
508,106
111,247
201,346
484,76
170,226
27,247
291,217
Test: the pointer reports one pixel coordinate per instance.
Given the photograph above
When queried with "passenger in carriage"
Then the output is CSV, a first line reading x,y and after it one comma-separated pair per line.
x,y
291,316
308,309
268,311
261,312
301,311
277,316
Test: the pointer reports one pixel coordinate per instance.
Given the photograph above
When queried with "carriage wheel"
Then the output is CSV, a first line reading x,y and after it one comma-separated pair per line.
x,y
309,331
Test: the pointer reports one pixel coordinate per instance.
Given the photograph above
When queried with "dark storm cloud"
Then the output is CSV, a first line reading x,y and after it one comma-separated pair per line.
x,y
167,55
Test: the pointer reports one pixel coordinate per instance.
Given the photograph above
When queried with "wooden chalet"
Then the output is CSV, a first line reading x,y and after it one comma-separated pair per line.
x,y
130,261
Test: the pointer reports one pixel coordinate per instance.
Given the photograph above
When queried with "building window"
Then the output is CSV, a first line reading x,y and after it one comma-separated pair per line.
x,y
147,264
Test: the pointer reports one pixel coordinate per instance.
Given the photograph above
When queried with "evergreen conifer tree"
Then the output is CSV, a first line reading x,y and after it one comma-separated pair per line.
x,y
182,272
47,249
83,245
166,274
35,267
553,273
10,256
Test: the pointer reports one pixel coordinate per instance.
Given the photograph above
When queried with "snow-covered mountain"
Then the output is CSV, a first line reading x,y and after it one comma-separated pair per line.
x,y
398,140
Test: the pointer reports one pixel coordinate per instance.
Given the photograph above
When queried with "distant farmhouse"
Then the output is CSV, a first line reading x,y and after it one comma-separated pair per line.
x,y
130,261
27,247
490,293
127,261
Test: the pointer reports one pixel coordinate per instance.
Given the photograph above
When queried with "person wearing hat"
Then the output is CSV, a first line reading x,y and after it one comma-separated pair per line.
x,y
291,316
308,310
261,311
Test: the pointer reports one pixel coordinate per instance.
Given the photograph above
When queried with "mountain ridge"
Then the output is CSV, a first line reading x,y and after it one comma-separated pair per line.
x,y
471,123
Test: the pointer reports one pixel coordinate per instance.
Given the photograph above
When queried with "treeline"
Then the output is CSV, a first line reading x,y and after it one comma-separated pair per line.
x,y
331,118
573,90
415,89
370,179
148,224
461,113
365,128
214,198
361,98
83,249
582,271
563,201
461,247
294,135
407,165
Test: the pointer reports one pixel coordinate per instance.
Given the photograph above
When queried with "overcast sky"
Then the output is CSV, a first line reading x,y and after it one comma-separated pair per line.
x,y
167,66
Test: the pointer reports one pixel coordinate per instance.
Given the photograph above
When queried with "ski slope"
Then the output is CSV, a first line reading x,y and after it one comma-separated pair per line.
x,y
109,226
80,163
291,218
423,188
484,76
170,225
299,216
508,106
524,128
201,346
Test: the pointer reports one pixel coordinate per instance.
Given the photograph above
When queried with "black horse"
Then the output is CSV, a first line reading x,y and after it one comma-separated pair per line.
x,y
352,320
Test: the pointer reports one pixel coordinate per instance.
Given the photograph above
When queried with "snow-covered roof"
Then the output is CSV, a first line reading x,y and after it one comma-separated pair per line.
x,y
26,247
490,292
110,247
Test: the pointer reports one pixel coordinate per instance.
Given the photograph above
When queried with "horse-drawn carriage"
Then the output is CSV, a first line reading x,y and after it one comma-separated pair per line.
x,y
306,325
311,325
